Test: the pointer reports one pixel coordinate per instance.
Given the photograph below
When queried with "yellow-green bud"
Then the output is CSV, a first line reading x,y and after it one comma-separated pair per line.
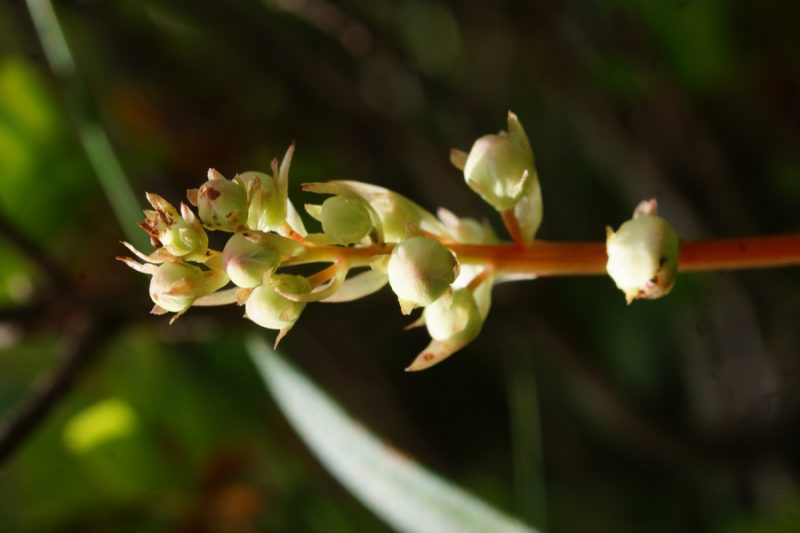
x,y
247,261
454,317
181,235
500,167
643,256
266,208
420,270
345,219
176,285
222,203
268,195
269,309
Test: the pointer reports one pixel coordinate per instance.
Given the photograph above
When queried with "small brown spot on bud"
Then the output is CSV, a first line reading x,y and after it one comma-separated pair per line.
x,y
213,194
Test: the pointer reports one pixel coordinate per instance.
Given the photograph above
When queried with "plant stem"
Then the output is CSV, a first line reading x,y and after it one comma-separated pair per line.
x,y
732,254
550,258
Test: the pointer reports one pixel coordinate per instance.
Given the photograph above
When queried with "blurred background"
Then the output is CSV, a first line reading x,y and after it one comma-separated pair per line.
x,y
572,410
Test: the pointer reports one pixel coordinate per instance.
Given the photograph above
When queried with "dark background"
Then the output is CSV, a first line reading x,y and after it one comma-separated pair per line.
x,y
571,409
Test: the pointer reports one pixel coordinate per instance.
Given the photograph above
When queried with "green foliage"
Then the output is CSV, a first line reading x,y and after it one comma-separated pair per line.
x,y
38,152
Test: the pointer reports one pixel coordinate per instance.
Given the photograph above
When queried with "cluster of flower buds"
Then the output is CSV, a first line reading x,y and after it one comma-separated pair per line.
x,y
370,237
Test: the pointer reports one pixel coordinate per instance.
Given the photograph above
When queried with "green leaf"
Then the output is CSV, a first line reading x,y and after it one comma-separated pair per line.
x,y
404,494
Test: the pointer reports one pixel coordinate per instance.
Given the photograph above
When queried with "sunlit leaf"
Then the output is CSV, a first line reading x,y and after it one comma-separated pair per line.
x,y
99,423
404,494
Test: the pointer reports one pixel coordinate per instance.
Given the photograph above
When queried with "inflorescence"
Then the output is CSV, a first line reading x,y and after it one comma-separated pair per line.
x,y
372,236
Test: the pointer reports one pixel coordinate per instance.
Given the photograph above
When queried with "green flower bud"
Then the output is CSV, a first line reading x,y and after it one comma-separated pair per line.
x,y
266,210
268,196
247,261
420,270
222,203
453,321
643,255
269,309
454,317
345,219
176,285
181,235
394,216
500,167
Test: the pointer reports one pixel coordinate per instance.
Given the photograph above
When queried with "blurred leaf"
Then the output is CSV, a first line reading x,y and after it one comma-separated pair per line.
x,y
17,276
104,421
44,177
93,137
402,493
693,36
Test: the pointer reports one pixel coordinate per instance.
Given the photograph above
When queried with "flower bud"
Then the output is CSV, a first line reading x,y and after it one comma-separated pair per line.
x,y
222,203
453,321
643,256
181,235
247,261
268,195
500,167
393,215
420,270
176,285
453,317
345,219
266,211
269,309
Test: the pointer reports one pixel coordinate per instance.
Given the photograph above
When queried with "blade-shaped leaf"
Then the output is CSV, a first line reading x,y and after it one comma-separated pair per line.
x,y
405,495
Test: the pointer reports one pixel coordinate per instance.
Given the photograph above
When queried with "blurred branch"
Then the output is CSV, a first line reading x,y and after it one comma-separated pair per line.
x,y
80,351
81,346
92,136
35,253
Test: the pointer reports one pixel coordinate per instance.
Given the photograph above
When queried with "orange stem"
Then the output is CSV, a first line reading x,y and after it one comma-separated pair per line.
x,y
548,258
740,253
512,226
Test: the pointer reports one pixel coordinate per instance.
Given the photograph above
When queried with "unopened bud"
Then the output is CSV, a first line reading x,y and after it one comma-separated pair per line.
x,y
420,270
345,219
222,203
500,167
269,309
643,255
247,261
268,195
176,285
453,317
181,235
266,210
393,215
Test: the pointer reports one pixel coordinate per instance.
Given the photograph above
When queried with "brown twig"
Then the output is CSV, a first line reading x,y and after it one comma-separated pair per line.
x,y
23,419
35,253
80,347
